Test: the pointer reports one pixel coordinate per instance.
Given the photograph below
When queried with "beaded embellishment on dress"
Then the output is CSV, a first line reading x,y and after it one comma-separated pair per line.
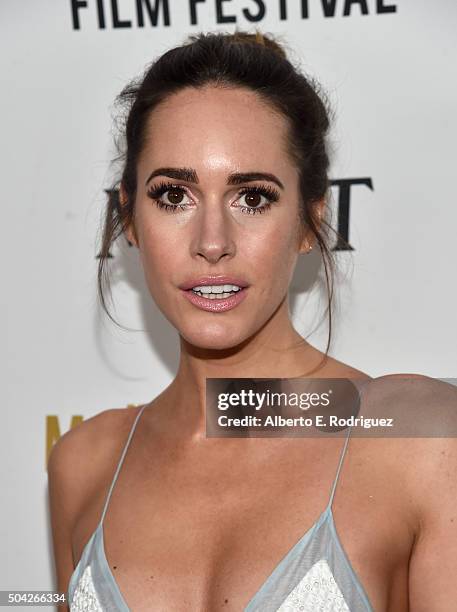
x,y
316,591
85,597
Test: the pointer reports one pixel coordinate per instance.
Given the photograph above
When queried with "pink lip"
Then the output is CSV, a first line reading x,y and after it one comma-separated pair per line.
x,y
218,304
213,280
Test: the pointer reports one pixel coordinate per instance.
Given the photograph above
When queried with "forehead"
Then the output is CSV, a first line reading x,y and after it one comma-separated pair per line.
x,y
227,126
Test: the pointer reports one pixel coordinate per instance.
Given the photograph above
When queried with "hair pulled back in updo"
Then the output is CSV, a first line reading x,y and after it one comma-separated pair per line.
x,y
259,63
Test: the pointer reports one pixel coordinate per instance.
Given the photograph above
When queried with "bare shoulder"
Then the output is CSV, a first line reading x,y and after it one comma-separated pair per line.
x,y
426,412
430,401
87,443
413,383
84,449
88,448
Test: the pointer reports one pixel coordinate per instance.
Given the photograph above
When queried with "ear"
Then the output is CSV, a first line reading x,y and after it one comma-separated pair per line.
x,y
307,238
305,241
129,231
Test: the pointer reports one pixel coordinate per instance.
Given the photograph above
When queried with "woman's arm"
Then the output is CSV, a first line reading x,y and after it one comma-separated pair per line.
x,y
433,563
61,496
77,464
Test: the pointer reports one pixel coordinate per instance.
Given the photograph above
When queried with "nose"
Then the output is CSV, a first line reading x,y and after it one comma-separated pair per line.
x,y
214,232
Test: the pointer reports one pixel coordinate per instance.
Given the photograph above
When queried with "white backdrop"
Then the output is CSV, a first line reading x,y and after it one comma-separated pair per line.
x,y
391,78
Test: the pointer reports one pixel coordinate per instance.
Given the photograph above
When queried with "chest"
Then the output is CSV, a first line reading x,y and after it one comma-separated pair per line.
x,y
200,535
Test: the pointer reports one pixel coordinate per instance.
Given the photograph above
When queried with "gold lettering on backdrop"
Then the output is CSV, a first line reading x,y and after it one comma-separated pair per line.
x,y
53,430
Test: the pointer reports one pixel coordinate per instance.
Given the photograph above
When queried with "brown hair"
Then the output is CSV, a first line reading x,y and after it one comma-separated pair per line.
x,y
259,63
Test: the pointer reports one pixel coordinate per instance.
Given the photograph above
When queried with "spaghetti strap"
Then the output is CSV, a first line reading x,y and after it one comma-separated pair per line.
x,y
340,463
121,460
343,452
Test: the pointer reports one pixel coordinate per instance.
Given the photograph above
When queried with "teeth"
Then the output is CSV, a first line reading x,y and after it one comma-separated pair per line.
x,y
216,288
216,292
214,296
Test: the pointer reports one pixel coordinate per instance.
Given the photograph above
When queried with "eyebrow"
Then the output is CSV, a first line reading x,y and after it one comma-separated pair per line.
x,y
235,178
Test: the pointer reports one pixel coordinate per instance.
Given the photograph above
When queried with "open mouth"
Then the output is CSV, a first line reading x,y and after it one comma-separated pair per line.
x,y
216,298
219,293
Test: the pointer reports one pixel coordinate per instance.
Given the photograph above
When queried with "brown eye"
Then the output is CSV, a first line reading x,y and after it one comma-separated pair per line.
x,y
253,199
175,196
169,197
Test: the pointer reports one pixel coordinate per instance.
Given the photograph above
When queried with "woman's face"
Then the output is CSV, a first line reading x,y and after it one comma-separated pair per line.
x,y
208,224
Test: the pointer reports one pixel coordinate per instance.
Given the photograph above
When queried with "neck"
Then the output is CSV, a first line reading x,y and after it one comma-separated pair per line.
x,y
275,351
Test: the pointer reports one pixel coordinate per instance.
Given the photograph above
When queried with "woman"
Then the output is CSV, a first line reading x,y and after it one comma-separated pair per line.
x,y
223,186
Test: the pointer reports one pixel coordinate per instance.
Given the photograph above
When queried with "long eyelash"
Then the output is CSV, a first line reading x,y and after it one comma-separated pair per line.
x,y
268,192
271,194
157,191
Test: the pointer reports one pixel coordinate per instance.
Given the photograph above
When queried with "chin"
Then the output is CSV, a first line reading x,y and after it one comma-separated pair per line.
x,y
218,339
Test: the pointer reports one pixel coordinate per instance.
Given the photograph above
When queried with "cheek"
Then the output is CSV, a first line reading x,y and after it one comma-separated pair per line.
x,y
160,256
272,255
